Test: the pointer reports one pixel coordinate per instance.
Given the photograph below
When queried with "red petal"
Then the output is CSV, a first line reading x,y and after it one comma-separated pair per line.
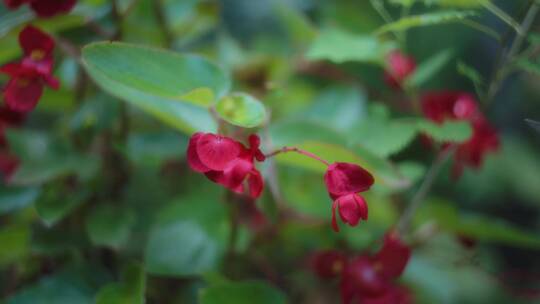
x,y
49,8
352,208
33,39
193,158
22,94
256,184
393,256
217,152
346,178
11,69
13,4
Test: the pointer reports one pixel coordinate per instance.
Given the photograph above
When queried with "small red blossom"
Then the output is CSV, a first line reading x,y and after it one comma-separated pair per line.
x,y
393,295
328,264
450,105
227,162
398,68
344,181
372,277
28,76
44,8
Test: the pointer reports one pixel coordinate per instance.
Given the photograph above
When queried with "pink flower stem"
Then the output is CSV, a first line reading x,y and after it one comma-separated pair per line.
x,y
297,150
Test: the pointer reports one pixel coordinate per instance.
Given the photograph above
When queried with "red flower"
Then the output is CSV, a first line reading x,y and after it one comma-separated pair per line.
x,y
8,165
449,105
8,118
372,277
227,162
399,67
344,181
44,8
28,76
328,264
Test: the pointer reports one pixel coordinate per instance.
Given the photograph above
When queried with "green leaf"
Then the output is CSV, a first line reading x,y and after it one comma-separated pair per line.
x,y
109,225
241,110
339,46
529,66
447,3
406,23
429,68
471,73
454,131
129,291
300,30
383,137
55,204
44,158
173,87
54,289
15,242
242,293
476,226
180,248
15,198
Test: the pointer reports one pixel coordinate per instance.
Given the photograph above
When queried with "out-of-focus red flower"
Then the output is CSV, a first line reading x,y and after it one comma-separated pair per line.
x,y
28,76
8,165
344,181
227,162
399,66
8,118
44,8
452,105
372,277
328,264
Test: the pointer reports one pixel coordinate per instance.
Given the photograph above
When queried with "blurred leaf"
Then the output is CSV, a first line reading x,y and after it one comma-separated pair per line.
x,y
241,110
472,74
534,38
406,23
55,289
15,242
447,3
534,124
154,148
383,137
180,248
454,131
129,291
476,226
339,46
99,111
15,198
157,82
337,106
242,293
300,30
56,203
529,66
109,225
429,68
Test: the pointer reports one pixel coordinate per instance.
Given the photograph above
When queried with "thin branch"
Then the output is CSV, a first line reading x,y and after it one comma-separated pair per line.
x,y
502,70
407,216
495,10
297,150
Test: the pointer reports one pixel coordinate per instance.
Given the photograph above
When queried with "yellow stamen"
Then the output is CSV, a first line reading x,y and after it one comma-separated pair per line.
x,y
37,54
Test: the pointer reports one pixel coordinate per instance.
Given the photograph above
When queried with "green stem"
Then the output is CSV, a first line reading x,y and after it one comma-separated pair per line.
x,y
420,195
495,10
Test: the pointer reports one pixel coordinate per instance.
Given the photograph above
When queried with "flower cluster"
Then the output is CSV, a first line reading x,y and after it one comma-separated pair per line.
x,y
450,105
229,163
399,67
44,8
344,181
368,278
32,72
